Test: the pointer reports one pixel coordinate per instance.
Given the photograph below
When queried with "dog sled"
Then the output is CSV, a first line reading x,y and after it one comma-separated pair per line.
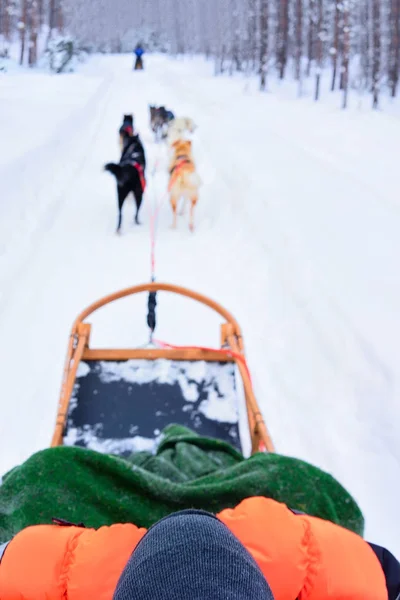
x,y
117,401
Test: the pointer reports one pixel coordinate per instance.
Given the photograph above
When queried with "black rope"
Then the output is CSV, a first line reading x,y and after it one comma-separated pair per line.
x,y
151,314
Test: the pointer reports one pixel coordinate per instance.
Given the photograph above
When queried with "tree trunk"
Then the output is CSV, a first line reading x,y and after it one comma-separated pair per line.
x,y
253,34
299,37
60,17
224,33
52,18
222,60
376,50
310,36
335,48
2,15
365,45
264,43
319,48
346,52
23,28
394,46
179,41
41,14
282,36
236,62
6,20
33,33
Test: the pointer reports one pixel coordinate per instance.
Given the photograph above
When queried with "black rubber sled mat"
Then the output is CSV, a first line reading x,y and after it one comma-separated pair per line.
x,y
120,407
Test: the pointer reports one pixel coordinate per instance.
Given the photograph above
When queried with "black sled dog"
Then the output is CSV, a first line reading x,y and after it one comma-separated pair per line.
x,y
129,172
126,127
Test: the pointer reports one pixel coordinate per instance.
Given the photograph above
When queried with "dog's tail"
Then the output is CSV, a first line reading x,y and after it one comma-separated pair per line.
x,y
115,169
194,179
187,180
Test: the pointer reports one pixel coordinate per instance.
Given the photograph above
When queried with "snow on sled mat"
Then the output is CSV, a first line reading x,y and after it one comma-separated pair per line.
x,y
118,401
120,407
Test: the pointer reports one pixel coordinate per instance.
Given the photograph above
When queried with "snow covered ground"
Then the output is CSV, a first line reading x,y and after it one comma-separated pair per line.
x,y
297,234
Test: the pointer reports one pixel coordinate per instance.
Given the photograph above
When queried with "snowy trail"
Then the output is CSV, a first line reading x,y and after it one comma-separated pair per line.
x,y
295,235
34,195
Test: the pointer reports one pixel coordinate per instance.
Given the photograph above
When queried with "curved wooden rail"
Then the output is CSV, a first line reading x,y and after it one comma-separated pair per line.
x,y
156,287
78,349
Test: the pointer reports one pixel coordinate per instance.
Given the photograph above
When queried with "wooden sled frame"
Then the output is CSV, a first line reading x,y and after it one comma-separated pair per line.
x,y
232,351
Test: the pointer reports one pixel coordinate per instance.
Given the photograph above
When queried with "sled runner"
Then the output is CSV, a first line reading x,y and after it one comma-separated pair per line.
x,y
119,400
138,64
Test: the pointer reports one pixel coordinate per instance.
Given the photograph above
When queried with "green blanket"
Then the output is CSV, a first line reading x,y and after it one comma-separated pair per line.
x,y
187,471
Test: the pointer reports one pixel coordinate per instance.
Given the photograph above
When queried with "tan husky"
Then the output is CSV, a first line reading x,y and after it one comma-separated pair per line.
x,y
184,182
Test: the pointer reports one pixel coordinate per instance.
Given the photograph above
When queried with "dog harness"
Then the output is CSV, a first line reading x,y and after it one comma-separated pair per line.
x,y
131,156
140,170
181,160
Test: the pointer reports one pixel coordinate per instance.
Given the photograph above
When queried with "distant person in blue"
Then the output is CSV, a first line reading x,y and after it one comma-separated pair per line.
x,y
139,57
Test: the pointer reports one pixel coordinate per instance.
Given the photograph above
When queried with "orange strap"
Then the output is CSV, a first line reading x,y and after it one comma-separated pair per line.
x,y
226,352
175,171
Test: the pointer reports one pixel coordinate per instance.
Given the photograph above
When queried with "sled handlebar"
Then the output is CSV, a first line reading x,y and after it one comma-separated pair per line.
x,y
165,287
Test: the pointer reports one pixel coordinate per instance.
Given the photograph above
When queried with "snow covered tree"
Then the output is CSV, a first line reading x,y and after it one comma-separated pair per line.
x,y
357,36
